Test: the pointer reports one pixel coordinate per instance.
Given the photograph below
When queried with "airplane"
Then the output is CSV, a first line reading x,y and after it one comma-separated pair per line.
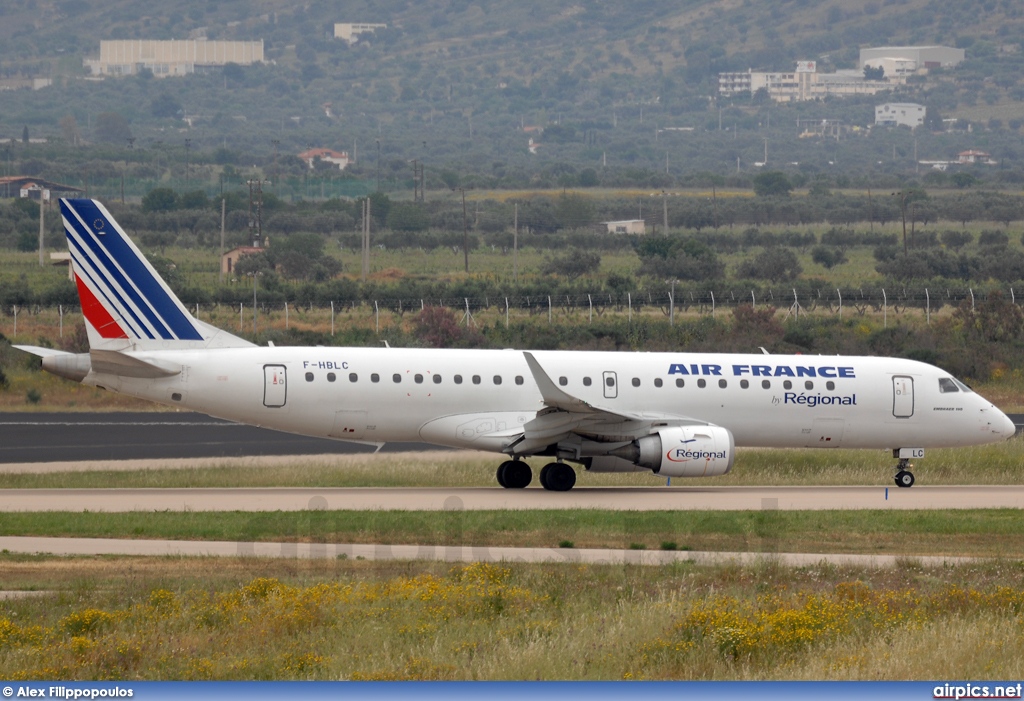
x,y
668,414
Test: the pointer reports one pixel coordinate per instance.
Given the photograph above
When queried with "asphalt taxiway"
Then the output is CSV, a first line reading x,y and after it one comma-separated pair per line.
x,y
800,498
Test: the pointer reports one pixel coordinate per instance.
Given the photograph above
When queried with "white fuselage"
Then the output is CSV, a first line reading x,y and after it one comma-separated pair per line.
x,y
378,395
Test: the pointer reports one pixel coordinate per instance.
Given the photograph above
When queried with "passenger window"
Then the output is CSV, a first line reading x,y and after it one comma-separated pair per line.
x,y
352,377
309,377
830,385
397,378
563,381
787,385
680,382
476,379
331,377
766,384
744,384
497,379
418,378
586,381
702,383
947,385
519,379
808,385
374,377
610,381
458,379
723,384
636,381
437,379
658,382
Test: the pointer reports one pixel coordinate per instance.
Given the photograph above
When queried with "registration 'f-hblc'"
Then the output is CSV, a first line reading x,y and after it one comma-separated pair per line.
x,y
672,414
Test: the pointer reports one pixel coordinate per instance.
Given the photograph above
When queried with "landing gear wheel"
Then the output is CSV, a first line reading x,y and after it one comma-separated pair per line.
x,y
517,474
904,479
500,475
557,477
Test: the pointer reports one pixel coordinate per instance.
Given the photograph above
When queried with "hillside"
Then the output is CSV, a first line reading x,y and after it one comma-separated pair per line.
x,y
451,82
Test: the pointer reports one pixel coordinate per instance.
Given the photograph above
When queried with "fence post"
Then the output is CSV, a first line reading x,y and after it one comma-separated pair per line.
x,y
1013,299
753,299
332,317
671,309
549,309
286,315
840,304
927,307
506,312
241,315
712,304
629,301
591,303
60,309
376,316
885,310
971,289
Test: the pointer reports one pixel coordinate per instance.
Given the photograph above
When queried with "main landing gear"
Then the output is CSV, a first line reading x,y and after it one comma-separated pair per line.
x,y
515,474
555,477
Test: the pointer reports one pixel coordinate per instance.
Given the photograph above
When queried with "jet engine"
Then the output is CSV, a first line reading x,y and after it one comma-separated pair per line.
x,y
683,451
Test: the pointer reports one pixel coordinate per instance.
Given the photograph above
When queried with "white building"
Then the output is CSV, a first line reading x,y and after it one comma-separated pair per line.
x,y
338,158
805,83
923,56
896,114
171,58
350,31
626,226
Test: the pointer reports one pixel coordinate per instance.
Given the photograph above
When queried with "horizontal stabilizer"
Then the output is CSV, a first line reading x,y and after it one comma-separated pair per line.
x,y
123,365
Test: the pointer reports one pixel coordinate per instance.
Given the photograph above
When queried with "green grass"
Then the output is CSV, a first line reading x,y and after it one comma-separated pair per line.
x,y
986,533
991,464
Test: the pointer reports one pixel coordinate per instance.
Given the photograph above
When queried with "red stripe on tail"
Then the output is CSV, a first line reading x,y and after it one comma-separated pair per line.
x,y
97,314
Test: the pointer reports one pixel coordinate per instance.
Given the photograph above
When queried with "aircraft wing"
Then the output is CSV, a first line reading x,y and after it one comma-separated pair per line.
x,y
566,416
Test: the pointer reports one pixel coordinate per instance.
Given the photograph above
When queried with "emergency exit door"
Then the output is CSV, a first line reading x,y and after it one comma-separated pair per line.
x,y
275,385
611,385
902,396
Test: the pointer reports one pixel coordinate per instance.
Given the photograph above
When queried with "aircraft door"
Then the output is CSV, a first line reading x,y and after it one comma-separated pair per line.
x,y
275,386
902,396
611,385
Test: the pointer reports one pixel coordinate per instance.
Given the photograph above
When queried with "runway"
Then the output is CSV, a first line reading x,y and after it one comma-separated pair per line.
x,y
494,498
54,437
448,553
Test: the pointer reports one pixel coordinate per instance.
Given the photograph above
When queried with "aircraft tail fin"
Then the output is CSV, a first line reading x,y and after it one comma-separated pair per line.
x,y
125,302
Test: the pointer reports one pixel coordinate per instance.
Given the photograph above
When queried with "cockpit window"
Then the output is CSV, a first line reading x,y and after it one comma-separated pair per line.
x,y
946,384
962,386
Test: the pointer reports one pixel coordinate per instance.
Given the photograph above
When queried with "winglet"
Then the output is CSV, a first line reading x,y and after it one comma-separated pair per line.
x,y
552,395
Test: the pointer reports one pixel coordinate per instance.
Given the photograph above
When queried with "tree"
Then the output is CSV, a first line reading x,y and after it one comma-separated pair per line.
x,y
932,119
112,128
772,184
776,264
876,73
69,130
827,256
166,106
24,135
574,264
161,199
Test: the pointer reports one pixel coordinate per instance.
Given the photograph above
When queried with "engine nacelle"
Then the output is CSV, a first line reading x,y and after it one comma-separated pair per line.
x,y
683,451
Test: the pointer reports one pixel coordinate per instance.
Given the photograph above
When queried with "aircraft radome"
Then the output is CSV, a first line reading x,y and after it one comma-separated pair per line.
x,y
671,414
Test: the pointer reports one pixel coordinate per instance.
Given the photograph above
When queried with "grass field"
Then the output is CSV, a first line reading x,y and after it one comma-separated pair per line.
x,y
254,619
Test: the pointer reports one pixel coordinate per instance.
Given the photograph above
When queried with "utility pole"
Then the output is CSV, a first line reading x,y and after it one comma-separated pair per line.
x,y
256,212
378,163
42,226
188,145
465,231
366,238
515,246
223,211
664,211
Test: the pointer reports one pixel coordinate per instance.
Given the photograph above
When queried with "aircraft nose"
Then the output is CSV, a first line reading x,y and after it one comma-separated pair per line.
x,y
1002,424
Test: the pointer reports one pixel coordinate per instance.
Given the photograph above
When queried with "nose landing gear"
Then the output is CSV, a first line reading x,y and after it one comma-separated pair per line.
x,y
904,477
